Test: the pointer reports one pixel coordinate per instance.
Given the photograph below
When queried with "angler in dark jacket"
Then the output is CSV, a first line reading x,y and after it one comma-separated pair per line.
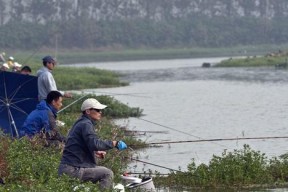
x,y
83,146
43,118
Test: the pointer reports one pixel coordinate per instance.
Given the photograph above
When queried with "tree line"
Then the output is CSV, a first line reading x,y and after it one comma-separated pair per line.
x,y
29,24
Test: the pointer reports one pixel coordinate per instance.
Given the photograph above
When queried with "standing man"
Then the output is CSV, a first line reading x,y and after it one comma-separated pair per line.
x,y
46,82
83,147
42,120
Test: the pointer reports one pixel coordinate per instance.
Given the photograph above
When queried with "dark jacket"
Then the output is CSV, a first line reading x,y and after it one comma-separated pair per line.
x,y
81,144
43,118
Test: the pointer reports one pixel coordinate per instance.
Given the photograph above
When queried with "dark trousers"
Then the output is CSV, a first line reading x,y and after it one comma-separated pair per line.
x,y
95,174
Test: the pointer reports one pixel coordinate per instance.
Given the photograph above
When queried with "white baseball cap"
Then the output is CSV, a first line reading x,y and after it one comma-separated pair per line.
x,y
92,103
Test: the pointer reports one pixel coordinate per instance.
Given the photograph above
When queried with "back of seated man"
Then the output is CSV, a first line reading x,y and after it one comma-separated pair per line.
x,y
42,120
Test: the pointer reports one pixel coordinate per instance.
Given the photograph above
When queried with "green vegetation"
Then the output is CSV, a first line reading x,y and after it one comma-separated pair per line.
x,y
26,165
81,78
240,169
253,62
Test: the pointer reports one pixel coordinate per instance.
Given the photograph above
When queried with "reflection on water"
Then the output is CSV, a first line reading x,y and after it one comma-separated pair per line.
x,y
191,102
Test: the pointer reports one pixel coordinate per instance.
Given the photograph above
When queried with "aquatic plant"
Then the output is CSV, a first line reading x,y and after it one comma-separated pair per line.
x,y
244,168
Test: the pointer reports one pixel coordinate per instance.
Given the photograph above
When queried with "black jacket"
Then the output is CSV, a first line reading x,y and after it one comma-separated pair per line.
x,y
81,144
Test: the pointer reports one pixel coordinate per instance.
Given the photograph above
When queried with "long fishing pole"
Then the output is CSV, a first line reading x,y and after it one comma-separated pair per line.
x,y
131,158
85,94
127,94
144,173
145,162
214,140
176,130
71,103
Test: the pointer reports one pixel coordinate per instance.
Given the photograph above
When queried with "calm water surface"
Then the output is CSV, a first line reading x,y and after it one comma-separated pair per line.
x,y
188,102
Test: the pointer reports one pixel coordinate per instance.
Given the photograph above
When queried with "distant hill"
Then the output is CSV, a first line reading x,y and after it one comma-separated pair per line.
x,y
30,24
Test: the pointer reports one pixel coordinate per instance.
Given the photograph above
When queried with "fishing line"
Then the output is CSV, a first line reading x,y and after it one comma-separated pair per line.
x,y
36,51
28,58
215,140
178,131
169,128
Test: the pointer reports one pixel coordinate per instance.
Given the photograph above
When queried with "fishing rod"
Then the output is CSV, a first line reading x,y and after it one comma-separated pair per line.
x,y
131,158
144,173
72,103
177,130
145,162
87,93
214,140
127,94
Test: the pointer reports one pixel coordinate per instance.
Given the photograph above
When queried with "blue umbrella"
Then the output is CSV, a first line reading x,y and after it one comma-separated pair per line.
x,y
18,97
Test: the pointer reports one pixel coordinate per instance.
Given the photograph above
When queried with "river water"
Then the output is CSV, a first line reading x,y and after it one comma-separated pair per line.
x,y
184,101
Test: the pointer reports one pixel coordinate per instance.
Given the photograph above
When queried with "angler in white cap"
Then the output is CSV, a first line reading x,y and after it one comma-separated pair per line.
x,y
83,147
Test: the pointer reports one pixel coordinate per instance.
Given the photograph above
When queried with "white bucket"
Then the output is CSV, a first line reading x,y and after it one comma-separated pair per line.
x,y
129,179
146,184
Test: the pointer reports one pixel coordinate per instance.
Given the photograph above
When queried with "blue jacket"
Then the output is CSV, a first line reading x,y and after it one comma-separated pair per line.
x,y
43,118
81,144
